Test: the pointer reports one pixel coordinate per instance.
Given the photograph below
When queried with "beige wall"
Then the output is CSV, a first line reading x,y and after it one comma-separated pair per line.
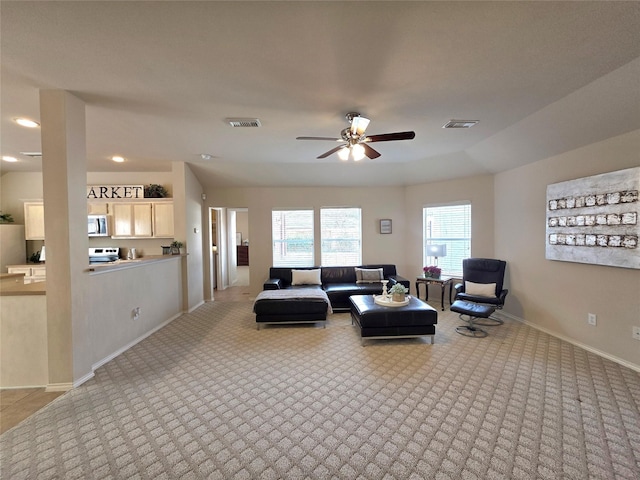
x,y
553,295
156,288
376,203
476,190
188,229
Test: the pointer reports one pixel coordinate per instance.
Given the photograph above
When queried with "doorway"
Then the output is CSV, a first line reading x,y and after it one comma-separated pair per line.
x,y
229,243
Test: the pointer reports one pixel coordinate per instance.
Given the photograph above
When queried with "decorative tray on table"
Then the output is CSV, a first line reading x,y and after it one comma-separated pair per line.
x,y
386,301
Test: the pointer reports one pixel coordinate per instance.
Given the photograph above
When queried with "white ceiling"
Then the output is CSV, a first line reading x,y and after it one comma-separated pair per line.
x,y
159,78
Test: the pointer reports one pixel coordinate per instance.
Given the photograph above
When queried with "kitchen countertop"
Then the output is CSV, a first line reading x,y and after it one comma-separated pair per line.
x,y
123,264
13,284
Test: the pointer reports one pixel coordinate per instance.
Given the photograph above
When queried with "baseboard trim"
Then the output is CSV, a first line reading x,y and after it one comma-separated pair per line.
x,y
108,358
59,387
17,387
588,348
198,305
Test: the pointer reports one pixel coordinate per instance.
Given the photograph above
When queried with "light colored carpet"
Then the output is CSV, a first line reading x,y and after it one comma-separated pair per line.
x,y
210,396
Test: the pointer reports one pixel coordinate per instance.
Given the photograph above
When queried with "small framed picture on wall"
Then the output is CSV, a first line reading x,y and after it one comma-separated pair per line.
x,y
385,225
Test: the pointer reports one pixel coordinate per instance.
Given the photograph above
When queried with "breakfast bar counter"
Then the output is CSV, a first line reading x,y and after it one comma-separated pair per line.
x,y
124,264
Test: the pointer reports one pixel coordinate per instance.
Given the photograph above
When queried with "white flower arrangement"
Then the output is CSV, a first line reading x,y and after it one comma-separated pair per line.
x,y
398,288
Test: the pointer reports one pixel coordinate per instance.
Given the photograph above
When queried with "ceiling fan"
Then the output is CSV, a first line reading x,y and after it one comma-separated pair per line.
x,y
356,142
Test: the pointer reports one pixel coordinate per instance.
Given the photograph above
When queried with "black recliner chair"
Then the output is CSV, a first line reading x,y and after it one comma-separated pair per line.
x,y
480,294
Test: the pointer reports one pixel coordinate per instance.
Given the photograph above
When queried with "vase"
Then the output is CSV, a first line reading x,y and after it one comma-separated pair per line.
x,y
397,297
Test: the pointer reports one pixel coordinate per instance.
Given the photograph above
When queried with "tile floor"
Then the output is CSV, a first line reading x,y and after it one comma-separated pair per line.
x,y
17,404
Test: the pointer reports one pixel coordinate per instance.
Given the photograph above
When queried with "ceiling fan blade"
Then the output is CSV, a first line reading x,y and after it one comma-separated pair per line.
x,y
332,151
370,152
333,139
387,137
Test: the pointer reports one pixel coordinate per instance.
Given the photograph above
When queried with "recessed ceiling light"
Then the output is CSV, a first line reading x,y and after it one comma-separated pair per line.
x,y
25,122
31,154
7,158
206,156
118,159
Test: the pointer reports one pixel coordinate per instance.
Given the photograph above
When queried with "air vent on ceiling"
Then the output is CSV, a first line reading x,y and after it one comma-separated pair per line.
x,y
31,154
460,123
243,122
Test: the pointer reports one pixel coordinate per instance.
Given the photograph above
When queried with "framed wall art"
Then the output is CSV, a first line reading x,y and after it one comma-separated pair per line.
x,y
385,225
595,219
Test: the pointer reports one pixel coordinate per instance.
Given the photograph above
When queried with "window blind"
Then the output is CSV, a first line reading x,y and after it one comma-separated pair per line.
x,y
292,234
448,225
341,236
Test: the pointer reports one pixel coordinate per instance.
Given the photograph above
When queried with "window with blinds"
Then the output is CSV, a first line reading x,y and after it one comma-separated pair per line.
x,y
341,236
448,225
292,234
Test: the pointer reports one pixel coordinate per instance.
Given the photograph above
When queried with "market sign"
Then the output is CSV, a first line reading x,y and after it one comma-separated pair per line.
x,y
95,192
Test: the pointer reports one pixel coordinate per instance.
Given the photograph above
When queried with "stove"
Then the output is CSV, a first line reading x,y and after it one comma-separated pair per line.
x,y
103,254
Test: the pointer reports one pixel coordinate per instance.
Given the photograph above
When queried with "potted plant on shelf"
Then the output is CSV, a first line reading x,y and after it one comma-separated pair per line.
x,y
175,247
155,191
432,272
6,218
398,291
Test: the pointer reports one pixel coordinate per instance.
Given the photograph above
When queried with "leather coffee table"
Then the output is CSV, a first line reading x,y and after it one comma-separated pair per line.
x,y
417,319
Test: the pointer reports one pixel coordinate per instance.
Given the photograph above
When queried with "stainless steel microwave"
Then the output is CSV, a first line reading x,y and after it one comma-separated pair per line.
x,y
98,226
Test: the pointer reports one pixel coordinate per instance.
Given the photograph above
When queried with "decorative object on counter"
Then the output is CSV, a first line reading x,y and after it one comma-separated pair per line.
x,y
398,291
35,257
432,271
155,191
166,249
6,218
175,247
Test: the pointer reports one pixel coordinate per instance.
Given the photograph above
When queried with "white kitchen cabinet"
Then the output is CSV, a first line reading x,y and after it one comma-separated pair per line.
x,y
162,219
132,220
34,220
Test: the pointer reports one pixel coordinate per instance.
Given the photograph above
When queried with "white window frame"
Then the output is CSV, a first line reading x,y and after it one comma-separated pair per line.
x,y
456,238
286,236
349,234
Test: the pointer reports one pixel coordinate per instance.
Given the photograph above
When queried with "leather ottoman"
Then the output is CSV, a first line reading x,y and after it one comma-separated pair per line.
x,y
417,319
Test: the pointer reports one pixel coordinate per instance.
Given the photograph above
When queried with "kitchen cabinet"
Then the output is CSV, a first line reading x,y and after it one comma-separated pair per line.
x,y
34,220
142,219
32,273
131,220
162,219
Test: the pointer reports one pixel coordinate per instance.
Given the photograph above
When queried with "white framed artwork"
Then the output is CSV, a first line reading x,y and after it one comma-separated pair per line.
x,y
595,219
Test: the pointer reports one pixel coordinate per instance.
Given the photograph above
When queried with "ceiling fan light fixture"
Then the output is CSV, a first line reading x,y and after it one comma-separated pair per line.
x,y
359,125
357,151
343,154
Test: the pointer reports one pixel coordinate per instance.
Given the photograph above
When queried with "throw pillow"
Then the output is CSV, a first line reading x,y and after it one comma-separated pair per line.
x,y
480,289
369,275
306,277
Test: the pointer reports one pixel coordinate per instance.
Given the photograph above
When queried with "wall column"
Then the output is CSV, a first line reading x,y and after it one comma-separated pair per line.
x,y
64,173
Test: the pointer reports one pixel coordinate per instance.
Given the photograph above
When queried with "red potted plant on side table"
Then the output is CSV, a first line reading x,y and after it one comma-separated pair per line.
x,y
432,271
